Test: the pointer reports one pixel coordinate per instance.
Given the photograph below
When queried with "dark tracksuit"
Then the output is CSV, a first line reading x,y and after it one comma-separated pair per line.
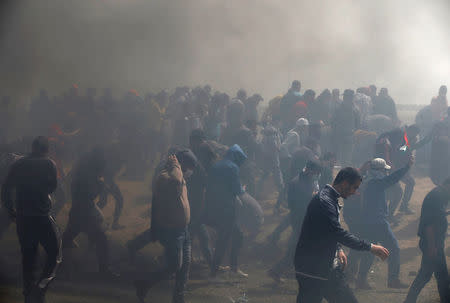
x,y
34,179
222,189
300,192
433,215
320,238
376,227
85,216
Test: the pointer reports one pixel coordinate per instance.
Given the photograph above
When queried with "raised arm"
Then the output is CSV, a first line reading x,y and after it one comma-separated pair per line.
x,y
393,178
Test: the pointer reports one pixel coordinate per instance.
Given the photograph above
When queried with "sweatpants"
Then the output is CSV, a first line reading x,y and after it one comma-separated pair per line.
x,y
32,231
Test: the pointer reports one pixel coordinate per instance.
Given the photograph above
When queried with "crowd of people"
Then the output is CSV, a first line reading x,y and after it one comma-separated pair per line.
x,y
211,155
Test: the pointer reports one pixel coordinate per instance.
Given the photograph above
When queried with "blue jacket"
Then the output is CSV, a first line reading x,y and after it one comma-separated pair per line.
x,y
320,235
224,185
375,208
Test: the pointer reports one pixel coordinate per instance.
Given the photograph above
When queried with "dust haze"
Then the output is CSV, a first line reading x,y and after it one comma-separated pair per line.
x,y
260,45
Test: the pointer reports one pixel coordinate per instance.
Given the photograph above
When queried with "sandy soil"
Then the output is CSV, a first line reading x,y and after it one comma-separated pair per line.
x,y
78,281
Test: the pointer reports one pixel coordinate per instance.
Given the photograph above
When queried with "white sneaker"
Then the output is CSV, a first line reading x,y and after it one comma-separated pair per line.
x,y
224,268
238,274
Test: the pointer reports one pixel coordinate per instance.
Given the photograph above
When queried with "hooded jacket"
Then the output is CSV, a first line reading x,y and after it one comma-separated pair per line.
x,y
224,185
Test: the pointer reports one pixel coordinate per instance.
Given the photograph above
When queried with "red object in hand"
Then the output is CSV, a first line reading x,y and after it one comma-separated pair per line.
x,y
405,136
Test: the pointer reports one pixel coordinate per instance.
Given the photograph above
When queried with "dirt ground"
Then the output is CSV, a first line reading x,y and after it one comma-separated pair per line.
x,y
78,282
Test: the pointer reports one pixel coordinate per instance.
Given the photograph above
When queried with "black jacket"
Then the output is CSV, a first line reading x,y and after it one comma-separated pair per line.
x,y
34,178
321,232
434,214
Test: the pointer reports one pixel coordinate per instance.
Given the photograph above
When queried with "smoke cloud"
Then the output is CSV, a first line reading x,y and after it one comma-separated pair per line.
x,y
261,45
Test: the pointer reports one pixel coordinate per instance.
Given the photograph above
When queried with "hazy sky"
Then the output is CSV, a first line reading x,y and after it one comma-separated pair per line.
x,y
261,45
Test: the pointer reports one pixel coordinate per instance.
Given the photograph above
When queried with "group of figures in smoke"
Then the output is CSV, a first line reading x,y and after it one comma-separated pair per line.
x,y
211,155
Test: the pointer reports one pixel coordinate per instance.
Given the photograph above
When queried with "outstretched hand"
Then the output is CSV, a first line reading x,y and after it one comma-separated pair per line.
x,y
379,251
365,167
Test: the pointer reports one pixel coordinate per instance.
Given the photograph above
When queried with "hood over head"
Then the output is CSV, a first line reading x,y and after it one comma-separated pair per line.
x,y
236,154
186,158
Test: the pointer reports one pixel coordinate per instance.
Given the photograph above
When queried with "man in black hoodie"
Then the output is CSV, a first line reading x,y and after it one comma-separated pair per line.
x,y
319,255
34,178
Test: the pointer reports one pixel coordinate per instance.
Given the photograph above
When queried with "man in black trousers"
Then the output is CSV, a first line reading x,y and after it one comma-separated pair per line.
x,y
319,258
34,178
433,226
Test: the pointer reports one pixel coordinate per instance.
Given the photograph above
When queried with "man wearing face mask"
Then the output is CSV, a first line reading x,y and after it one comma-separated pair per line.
x,y
376,227
319,254
300,191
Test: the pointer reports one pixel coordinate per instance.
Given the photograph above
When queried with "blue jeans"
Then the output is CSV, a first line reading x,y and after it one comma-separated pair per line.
x,y
177,252
380,232
226,234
